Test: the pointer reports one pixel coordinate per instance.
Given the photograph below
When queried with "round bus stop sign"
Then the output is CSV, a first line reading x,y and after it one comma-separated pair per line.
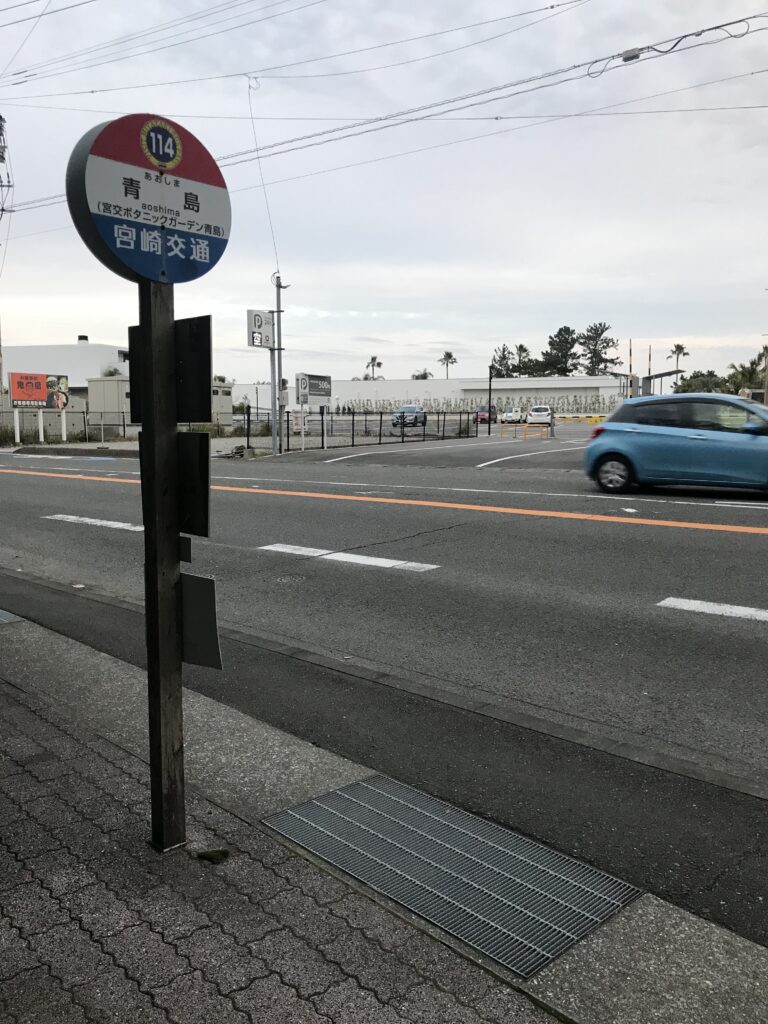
x,y
148,199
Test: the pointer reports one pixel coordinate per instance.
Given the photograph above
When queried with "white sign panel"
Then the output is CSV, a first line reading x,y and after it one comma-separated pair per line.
x,y
261,328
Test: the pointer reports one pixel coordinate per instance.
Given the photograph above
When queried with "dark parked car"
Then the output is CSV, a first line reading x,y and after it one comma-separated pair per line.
x,y
410,416
480,415
715,440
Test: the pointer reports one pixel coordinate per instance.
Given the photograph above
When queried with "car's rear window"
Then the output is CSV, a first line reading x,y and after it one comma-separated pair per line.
x,y
540,408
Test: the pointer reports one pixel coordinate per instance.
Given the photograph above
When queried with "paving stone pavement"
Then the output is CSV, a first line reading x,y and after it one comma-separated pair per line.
x,y
95,926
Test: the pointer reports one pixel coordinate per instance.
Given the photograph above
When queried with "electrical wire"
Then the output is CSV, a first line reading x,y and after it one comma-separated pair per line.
x,y
413,115
264,72
118,41
169,46
479,117
25,3
309,60
254,88
431,56
503,131
53,200
540,120
26,38
7,195
45,14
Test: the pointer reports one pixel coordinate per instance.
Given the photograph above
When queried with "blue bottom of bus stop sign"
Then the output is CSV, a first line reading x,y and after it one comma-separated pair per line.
x,y
159,252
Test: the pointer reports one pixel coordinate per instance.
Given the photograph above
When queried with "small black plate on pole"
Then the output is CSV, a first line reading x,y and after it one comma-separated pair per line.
x,y
194,462
192,352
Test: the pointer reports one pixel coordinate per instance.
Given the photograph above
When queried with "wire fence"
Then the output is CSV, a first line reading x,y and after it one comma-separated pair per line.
x,y
91,426
321,429
350,430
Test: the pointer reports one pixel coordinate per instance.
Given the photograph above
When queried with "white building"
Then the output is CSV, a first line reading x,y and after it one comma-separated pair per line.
x,y
110,397
78,362
564,394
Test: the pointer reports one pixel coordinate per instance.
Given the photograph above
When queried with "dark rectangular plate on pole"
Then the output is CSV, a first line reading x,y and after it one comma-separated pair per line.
x,y
185,549
194,462
200,632
192,345
193,369
135,370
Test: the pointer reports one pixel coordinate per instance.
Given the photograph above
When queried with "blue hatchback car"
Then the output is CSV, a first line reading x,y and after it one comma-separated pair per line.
x,y
714,440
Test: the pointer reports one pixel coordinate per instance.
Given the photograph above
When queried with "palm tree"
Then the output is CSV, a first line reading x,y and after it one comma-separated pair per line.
x,y
522,355
747,376
422,375
447,359
373,365
677,353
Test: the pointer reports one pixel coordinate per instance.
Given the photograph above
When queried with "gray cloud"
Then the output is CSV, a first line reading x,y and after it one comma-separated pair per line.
x,y
648,222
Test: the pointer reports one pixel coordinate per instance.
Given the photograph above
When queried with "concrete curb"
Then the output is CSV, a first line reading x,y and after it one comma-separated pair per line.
x,y
96,452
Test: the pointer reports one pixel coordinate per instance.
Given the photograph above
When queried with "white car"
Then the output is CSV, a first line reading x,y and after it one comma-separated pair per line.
x,y
539,414
514,415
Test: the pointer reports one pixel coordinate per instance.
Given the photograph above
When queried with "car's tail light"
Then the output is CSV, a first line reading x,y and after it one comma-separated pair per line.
x,y
596,433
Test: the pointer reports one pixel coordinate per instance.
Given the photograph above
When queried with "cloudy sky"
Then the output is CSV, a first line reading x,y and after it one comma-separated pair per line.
x,y
505,230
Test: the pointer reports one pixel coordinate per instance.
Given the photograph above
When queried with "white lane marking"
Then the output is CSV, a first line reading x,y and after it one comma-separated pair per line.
x,y
527,455
629,510
398,450
108,523
343,556
294,549
44,456
734,611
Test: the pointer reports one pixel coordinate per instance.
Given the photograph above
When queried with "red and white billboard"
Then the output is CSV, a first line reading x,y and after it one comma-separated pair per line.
x,y
39,390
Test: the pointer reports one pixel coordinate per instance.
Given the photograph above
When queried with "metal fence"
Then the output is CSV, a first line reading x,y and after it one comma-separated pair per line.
x,y
354,429
321,430
92,426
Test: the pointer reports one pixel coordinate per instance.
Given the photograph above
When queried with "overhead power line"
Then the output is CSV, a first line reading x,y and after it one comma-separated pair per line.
x,y
212,12
46,14
171,45
26,38
558,8
431,56
295,117
53,200
491,94
596,111
25,3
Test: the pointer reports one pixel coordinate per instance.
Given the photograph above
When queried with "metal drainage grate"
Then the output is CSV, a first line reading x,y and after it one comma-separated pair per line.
x,y
508,897
7,617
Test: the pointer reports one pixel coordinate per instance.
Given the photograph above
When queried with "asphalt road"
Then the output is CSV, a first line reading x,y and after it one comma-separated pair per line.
x,y
521,649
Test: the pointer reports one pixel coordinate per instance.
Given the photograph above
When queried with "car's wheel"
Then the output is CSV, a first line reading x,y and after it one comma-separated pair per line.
x,y
614,474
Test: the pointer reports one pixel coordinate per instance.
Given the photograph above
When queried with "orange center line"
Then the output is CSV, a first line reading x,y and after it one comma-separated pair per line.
x,y
584,517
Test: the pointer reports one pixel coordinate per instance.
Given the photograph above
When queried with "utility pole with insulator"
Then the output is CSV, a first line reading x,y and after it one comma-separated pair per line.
x,y
5,190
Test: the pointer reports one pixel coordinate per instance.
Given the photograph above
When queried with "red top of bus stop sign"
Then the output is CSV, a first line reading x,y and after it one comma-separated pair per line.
x,y
121,140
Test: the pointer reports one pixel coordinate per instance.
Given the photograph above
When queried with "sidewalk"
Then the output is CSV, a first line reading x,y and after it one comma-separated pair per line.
x,y
119,448
96,926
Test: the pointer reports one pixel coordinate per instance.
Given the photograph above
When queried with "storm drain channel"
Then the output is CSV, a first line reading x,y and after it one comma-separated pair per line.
x,y
506,896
